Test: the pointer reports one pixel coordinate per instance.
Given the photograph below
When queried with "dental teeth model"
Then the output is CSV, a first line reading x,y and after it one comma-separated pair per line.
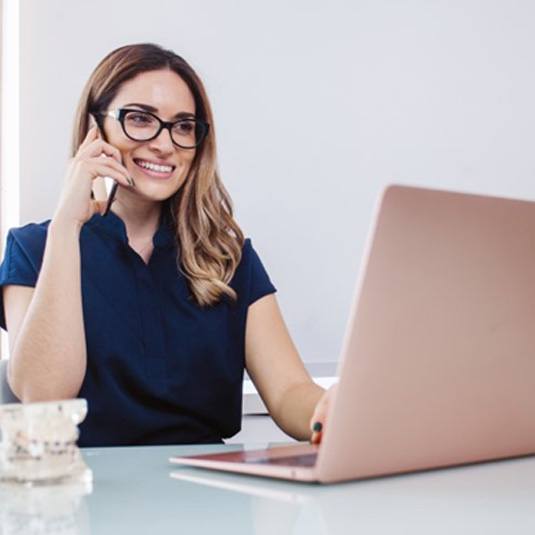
x,y
39,441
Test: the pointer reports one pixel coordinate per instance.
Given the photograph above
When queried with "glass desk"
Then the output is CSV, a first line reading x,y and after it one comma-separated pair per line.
x,y
133,493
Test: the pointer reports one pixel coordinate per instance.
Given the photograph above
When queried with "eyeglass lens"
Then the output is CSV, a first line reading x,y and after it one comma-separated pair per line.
x,y
142,126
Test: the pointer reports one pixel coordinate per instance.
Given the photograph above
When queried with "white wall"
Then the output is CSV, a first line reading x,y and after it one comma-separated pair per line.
x,y
318,105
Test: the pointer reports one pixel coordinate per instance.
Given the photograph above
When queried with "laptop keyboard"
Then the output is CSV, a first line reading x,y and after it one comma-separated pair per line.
x,y
308,459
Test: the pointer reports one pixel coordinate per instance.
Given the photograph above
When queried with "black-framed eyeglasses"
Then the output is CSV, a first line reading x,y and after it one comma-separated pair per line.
x,y
186,133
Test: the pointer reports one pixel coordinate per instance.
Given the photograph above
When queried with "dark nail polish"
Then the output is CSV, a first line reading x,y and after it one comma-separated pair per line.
x,y
317,427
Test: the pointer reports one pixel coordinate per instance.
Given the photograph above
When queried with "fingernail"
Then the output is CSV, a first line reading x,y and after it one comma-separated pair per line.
x,y
317,427
131,181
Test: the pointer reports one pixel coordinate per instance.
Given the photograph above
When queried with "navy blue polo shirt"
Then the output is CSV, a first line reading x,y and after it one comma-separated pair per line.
x,y
160,368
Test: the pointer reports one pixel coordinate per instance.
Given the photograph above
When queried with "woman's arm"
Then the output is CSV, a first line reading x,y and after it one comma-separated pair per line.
x,y
45,324
277,371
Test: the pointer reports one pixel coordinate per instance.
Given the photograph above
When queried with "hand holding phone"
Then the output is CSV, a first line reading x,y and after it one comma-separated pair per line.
x,y
110,184
85,170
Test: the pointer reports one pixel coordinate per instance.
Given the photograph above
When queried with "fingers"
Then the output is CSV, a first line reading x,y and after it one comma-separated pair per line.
x,y
91,135
317,422
94,158
98,147
94,153
319,417
94,145
112,169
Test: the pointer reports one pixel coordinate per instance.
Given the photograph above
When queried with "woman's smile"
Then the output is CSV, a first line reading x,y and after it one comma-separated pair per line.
x,y
154,169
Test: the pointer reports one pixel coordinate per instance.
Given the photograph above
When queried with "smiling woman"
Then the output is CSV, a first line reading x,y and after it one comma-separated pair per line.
x,y
160,82
151,310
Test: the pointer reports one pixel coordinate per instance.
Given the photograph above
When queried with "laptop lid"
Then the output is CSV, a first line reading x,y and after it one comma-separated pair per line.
x,y
438,362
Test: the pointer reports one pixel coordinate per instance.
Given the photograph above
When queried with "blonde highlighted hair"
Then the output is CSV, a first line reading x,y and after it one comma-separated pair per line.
x,y
209,239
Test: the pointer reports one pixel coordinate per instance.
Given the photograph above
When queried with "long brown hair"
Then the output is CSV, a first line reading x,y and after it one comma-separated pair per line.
x,y
210,241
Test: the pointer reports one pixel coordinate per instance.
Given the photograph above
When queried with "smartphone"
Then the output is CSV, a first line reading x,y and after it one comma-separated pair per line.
x,y
109,183
111,195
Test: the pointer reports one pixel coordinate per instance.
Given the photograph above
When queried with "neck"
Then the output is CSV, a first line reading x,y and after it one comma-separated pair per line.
x,y
141,217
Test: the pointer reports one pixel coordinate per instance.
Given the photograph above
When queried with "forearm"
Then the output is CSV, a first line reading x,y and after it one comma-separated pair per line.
x,y
48,359
296,408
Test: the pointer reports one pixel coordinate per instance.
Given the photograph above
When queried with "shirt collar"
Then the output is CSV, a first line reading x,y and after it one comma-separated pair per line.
x,y
113,225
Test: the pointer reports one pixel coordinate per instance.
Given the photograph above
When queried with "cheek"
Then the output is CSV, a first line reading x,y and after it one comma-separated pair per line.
x,y
117,138
127,150
114,134
186,161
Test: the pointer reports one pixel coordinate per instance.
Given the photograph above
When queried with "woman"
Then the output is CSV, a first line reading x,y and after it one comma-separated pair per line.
x,y
152,310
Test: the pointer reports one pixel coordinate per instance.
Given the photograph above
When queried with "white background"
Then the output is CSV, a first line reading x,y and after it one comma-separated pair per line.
x,y
317,106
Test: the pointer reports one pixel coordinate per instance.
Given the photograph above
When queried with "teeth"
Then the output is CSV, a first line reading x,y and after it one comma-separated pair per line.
x,y
154,167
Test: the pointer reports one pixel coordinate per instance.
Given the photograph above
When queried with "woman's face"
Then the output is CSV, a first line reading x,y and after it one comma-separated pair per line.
x,y
168,95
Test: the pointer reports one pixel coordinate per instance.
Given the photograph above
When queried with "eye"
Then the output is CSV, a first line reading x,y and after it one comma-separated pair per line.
x,y
184,128
138,118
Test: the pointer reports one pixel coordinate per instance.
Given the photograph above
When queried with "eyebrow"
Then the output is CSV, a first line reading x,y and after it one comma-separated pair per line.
x,y
152,109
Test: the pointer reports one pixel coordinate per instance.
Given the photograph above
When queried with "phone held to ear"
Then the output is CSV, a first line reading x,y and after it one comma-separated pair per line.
x,y
110,185
111,195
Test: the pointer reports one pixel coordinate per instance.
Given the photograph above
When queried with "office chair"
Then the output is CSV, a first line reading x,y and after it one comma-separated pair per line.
x,y
6,395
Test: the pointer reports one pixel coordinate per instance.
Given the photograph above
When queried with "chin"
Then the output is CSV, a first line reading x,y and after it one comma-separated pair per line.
x,y
157,194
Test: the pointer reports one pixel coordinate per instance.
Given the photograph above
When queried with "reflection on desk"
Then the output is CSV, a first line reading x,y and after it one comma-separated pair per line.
x,y
45,510
484,498
137,491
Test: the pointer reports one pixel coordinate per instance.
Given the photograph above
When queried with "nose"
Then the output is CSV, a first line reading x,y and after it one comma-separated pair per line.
x,y
163,142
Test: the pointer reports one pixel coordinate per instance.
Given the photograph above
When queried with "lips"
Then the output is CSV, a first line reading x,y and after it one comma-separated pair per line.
x,y
155,169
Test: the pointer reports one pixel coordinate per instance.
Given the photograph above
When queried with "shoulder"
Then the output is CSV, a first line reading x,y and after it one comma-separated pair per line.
x,y
246,249
24,254
251,280
248,256
30,232
30,238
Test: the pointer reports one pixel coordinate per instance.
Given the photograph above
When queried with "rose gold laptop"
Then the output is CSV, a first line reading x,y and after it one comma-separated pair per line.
x,y
438,362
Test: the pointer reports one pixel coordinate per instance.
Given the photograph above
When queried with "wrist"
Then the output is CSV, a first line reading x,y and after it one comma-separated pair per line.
x,y
65,228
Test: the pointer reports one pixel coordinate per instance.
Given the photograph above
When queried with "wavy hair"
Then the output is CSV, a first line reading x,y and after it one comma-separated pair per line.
x,y
210,241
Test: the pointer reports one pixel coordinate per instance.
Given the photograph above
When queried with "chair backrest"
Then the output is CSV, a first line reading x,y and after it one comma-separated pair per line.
x,y
6,395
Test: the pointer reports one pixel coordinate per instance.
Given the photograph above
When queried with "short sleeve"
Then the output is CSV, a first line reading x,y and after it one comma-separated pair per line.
x,y
259,281
22,260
